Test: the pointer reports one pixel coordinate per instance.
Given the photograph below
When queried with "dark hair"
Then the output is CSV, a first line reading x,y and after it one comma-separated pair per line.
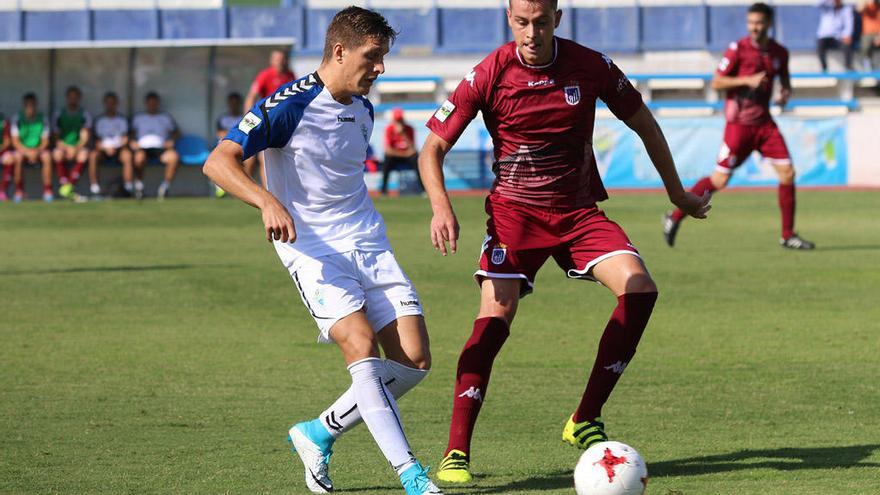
x,y
553,3
152,94
29,96
73,89
234,94
353,26
762,8
111,94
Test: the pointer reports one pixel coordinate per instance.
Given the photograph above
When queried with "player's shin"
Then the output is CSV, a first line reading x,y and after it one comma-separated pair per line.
x,y
379,411
343,415
472,379
616,348
786,208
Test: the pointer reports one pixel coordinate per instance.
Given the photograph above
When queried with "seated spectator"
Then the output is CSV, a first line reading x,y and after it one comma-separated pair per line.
x,y
230,119
400,149
7,160
870,41
835,31
155,133
30,138
70,125
111,143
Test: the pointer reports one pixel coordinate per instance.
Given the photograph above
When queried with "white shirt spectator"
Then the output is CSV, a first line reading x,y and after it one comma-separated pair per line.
x,y
111,130
153,130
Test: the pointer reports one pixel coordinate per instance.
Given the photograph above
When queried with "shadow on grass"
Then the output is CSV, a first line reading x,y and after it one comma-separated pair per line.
x,y
100,269
550,481
863,247
785,459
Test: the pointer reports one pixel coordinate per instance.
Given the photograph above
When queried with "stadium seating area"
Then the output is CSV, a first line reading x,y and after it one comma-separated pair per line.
x,y
430,26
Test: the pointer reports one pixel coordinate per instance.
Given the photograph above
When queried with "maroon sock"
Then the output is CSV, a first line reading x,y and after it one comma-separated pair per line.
x,y
702,186
77,171
472,378
61,172
786,206
7,176
616,348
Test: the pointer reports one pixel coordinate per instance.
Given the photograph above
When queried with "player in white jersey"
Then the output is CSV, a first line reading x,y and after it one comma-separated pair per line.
x,y
315,132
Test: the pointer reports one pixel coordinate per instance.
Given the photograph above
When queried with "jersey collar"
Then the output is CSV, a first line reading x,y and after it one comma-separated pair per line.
x,y
555,53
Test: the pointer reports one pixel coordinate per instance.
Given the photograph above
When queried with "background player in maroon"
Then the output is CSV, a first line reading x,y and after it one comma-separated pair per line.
x,y
747,72
538,97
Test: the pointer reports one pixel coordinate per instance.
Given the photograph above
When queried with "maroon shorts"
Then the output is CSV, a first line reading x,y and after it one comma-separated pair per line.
x,y
520,238
741,140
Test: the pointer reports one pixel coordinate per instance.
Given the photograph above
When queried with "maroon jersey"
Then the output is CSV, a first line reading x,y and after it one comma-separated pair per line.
x,y
745,105
541,120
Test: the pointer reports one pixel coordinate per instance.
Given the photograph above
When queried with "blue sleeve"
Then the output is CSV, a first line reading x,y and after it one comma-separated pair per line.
x,y
273,120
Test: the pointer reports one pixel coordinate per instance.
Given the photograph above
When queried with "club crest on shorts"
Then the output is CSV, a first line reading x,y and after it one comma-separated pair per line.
x,y
572,94
499,254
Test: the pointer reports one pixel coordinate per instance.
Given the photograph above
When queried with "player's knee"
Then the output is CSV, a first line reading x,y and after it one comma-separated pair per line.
x,y
786,175
640,282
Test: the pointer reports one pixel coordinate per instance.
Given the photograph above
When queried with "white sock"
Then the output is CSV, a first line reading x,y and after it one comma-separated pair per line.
x,y
138,185
95,188
129,186
343,415
379,411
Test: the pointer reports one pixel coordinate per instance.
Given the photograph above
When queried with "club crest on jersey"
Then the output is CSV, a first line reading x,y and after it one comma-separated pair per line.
x,y
366,133
572,94
499,254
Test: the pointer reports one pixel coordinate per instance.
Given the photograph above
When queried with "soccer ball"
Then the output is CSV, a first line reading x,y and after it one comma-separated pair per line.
x,y
610,468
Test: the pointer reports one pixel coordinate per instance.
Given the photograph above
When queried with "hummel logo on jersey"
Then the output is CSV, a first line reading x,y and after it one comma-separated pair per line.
x,y
296,88
409,303
617,367
345,118
473,393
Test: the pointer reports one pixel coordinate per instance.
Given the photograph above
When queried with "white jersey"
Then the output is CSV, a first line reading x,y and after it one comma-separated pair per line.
x,y
315,149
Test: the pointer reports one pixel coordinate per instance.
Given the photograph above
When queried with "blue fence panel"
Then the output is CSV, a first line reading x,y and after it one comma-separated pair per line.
x,y
727,23
680,27
266,22
608,29
417,27
457,33
193,23
62,25
10,26
126,24
796,26
316,23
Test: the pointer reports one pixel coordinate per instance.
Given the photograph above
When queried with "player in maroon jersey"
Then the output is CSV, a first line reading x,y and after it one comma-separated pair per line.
x,y
747,72
538,98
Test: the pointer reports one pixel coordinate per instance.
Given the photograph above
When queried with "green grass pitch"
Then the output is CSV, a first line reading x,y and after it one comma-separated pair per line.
x,y
161,348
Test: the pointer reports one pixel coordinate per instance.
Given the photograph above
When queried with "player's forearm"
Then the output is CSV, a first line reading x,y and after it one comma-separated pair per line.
x,y
644,124
722,83
431,172
224,167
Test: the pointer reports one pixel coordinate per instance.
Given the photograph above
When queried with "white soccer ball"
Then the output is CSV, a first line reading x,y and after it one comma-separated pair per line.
x,y
610,468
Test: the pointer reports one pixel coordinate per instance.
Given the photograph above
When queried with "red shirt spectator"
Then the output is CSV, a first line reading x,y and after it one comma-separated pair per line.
x,y
270,78
399,135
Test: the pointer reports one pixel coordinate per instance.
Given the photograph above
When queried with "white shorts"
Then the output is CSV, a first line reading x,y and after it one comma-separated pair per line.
x,y
335,286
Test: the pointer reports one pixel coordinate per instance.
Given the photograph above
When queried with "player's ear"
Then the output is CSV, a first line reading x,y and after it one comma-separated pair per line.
x,y
558,18
338,52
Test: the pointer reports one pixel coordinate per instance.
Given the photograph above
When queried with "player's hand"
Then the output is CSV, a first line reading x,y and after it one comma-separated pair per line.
x,y
784,96
693,205
754,81
444,228
278,223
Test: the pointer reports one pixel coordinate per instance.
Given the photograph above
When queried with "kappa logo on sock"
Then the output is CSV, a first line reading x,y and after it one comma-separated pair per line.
x,y
473,393
617,367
